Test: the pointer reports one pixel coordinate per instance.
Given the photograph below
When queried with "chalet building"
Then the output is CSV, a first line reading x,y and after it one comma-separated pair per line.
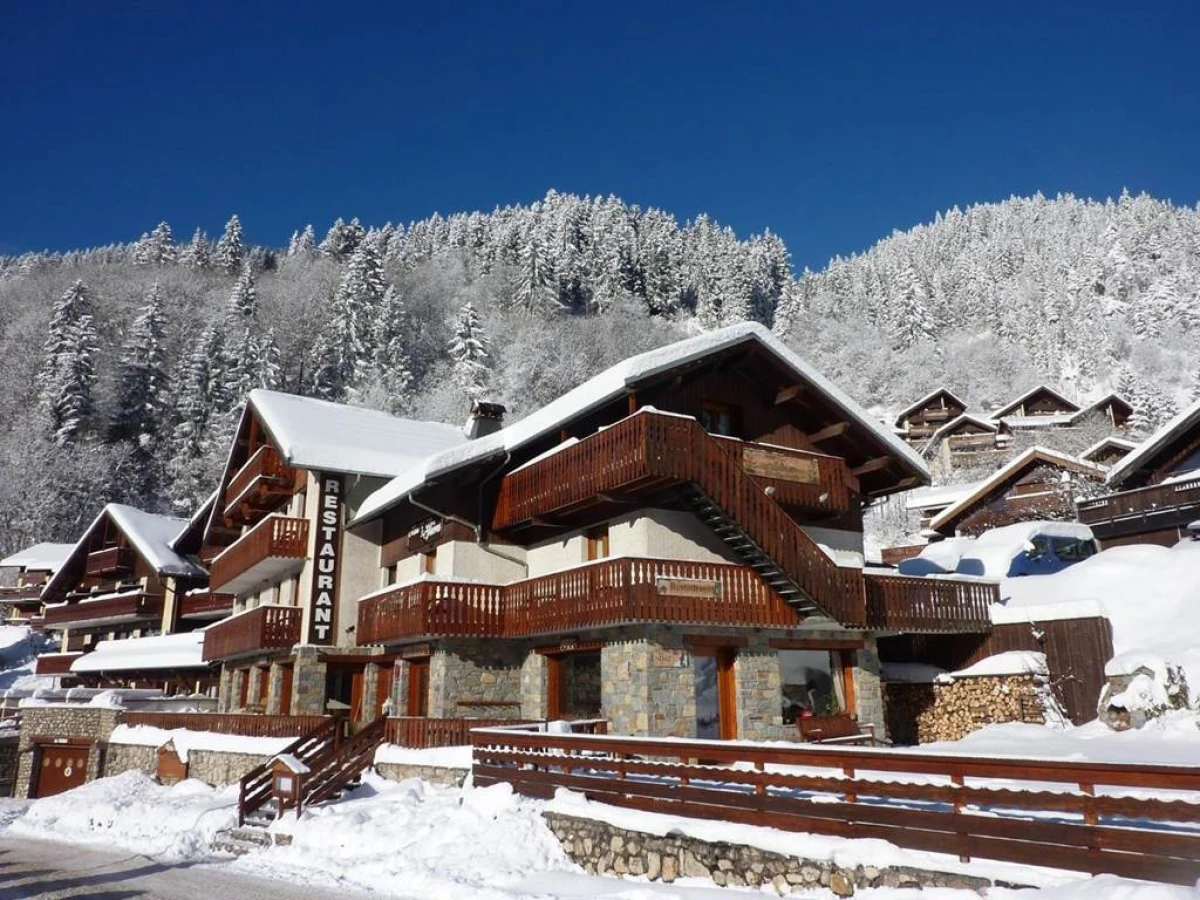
x,y
275,540
1158,487
121,582
969,441
1114,408
918,422
674,546
26,573
1038,484
1037,407
1108,451
930,502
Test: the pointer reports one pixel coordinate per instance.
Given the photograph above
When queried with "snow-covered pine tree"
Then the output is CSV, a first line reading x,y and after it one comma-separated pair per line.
x,y
156,248
200,400
230,252
303,243
469,350
344,351
342,239
197,253
143,380
68,369
242,306
534,287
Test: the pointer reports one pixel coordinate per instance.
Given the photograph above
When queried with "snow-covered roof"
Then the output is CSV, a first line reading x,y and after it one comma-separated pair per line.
x,y
1112,399
1040,389
1110,441
1188,418
164,651
985,487
334,437
986,424
1011,662
613,383
928,398
43,557
200,515
1045,421
937,495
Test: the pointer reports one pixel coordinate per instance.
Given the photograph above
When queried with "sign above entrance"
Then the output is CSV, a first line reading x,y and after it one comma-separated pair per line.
x,y
780,466
689,587
323,602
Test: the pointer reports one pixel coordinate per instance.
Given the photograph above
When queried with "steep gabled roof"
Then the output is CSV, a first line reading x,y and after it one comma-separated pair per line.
x,y
954,424
335,437
1151,450
925,401
616,382
188,540
43,557
1113,399
1070,405
148,533
1111,441
952,515
939,495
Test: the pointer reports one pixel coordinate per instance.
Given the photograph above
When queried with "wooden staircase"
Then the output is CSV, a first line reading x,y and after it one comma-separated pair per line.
x,y
254,788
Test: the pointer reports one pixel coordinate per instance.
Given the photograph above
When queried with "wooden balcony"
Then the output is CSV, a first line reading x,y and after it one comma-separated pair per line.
x,y
928,605
110,561
105,611
272,550
205,605
1143,509
258,485
20,593
258,630
55,663
600,595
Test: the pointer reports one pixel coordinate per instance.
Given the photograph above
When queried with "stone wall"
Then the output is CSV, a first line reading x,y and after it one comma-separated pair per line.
x,y
92,724
433,774
8,763
648,687
213,767
607,850
475,678
759,701
924,713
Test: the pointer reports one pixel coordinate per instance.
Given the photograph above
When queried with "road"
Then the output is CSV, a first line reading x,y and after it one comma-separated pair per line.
x,y
42,870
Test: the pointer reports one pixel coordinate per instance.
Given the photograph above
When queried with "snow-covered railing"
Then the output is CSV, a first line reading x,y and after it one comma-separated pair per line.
x,y
1155,499
1138,821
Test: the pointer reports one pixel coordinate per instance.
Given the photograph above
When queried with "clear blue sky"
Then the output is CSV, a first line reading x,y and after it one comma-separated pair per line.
x,y
832,124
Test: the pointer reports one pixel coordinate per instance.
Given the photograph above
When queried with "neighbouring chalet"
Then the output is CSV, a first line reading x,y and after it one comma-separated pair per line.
x,y
674,546
1159,488
27,573
1038,484
1108,451
919,421
275,540
121,583
1041,405
969,440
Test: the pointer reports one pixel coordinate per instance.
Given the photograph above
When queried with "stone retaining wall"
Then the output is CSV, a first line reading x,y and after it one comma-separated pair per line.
x,y
8,763
433,774
924,713
604,849
91,724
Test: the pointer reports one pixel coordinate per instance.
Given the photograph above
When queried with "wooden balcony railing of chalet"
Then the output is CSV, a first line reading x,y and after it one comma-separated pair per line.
x,y
931,605
20,593
275,537
655,449
110,561
134,606
603,594
204,604
55,663
243,724
1140,502
258,629
265,468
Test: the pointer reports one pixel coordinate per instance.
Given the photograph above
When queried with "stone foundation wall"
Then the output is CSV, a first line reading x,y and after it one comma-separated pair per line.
x,y
82,723
648,687
8,764
607,850
924,713
475,678
210,766
759,702
432,774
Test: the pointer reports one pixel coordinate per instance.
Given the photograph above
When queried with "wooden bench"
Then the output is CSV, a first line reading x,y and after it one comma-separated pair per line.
x,y
841,728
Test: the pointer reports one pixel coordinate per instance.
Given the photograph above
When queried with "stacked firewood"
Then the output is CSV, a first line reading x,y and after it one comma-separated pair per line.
x,y
947,711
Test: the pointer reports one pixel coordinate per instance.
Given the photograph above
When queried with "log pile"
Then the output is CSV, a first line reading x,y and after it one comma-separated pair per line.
x,y
950,710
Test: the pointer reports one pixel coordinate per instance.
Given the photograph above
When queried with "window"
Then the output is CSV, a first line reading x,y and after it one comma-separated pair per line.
x,y
814,683
721,418
596,543
1072,549
428,562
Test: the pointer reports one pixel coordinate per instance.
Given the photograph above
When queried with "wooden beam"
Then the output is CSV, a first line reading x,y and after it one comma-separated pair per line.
x,y
906,483
837,429
788,393
872,465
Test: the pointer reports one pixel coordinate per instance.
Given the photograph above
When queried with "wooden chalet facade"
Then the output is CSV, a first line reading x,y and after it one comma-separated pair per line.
x,y
1041,402
1109,451
675,546
122,582
917,423
1038,484
29,571
1158,488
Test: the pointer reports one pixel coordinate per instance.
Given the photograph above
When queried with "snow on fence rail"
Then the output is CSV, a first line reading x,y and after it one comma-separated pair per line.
x,y
1043,812
243,724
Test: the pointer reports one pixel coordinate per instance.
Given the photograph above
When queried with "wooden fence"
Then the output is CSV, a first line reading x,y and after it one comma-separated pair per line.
x,y
243,724
420,732
1043,812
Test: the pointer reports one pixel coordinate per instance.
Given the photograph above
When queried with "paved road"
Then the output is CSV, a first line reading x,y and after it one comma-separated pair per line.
x,y
42,870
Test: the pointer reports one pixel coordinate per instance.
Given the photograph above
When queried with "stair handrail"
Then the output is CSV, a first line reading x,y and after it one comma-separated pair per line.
x,y
254,788
335,768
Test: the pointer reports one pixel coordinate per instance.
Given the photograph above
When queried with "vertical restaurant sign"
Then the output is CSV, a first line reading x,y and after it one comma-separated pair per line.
x,y
323,604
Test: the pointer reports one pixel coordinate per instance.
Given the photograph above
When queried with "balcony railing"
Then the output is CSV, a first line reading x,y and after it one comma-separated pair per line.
x,y
105,610
110,561
55,663
260,629
264,473
20,593
274,548
205,604
1142,502
603,594
932,605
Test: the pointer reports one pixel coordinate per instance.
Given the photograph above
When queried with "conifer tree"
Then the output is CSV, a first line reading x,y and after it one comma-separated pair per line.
x,y
142,380
534,288
469,350
303,243
156,248
342,239
242,306
345,349
230,252
197,253
68,374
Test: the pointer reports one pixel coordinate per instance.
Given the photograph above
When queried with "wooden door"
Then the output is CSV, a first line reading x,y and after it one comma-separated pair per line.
x,y
383,690
264,684
59,768
356,694
726,694
285,693
716,704
418,687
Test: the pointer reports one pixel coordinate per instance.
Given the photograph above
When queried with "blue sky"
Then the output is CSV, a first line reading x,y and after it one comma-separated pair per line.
x,y
831,124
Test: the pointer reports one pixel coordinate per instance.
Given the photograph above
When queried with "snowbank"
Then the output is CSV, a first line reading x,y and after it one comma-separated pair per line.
x,y
445,757
1014,662
186,741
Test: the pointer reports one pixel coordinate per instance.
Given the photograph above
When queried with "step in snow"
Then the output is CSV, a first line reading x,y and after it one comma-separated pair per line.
x,y
248,839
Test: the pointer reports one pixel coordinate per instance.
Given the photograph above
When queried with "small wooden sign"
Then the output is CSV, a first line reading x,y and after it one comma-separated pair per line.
x,y
780,466
689,587
170,769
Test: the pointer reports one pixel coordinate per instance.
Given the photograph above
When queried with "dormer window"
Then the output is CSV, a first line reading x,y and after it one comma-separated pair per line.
x,y
721,418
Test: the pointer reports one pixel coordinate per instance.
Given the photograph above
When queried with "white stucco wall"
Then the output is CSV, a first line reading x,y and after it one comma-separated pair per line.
x,y
490,563
358,571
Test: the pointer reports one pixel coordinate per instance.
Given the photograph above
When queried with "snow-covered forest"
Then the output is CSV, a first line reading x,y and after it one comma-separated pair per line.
x,y
124,366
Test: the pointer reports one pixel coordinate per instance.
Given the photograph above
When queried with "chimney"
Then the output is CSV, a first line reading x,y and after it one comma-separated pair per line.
x,y
486,418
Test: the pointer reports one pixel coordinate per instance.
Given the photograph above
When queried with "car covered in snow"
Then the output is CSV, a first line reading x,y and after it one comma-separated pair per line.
x,y
1027,548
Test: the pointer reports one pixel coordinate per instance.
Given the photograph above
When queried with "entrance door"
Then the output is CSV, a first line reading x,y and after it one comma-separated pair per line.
x,y
716,709
59,768
344,684
418,687
573,685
